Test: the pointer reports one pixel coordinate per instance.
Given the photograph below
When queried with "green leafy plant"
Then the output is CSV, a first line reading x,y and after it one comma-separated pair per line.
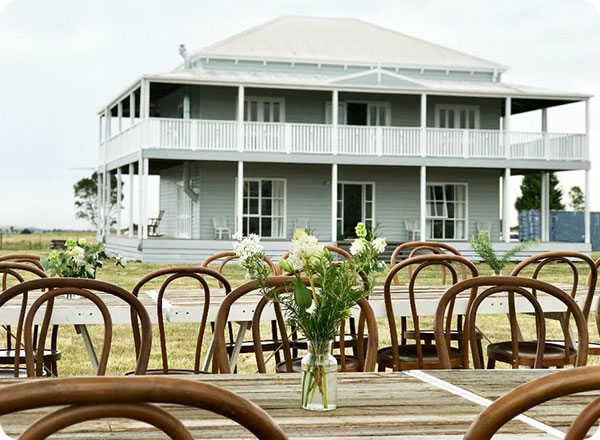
x,y
483,246
78,260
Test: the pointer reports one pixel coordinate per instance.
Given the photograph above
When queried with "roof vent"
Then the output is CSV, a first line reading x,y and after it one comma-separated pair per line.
x,y
186,59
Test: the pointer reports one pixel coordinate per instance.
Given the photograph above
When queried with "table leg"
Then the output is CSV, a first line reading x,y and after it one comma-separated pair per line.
x,y
239,340
81,329
209,354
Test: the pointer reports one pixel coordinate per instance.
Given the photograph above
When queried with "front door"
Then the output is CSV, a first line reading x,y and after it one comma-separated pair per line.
x,y
184,213
355,204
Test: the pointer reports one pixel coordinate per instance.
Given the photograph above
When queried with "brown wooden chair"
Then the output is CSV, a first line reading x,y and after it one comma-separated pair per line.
x,y
515,352
175,273
53,287
221,361
536,392
90,398
18,272
418,355
545,261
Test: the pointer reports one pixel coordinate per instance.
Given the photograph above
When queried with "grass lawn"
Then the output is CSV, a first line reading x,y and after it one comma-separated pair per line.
x,y
181,338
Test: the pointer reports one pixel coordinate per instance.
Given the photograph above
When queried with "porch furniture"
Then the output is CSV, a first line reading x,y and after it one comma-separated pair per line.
x,y
541,391
544,262
436,404
221,228
154,223
88,289
300,224
516,352
92,398
413,229
485,227
224,364
401,356
15,356
200,274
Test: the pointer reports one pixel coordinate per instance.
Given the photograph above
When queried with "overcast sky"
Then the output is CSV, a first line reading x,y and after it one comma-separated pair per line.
x,y
62,60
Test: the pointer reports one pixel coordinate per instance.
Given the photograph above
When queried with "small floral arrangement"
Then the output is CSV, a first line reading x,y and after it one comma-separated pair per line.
x,y
483,246
367,247
77,260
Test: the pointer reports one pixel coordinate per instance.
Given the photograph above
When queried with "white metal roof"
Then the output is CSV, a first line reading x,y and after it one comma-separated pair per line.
x,y
340,41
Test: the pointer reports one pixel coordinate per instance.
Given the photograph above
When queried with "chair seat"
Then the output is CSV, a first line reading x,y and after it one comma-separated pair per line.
x,y
554,354
248,346
428,335
593,347
170,371
407,355
351,365
7,357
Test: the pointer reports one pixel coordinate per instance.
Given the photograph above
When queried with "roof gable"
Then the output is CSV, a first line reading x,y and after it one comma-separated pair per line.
x,y
378,77
341,41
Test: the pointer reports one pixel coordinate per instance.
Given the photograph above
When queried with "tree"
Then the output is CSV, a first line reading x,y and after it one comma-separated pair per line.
x,y
87,203
577,199
530,197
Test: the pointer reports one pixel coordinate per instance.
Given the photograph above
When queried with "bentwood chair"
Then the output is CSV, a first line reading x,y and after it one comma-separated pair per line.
x,y
228,257
199,274
536,392
418,355
546,262
534,353
137,398
285,284
17,273
88,289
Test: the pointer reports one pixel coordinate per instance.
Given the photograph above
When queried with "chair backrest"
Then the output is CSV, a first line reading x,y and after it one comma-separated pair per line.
x,y
411,225
54,287
229,256
31,259
219,222
336,251
221,361
175,273
417,247
545,258
511,285
160,215
90,398
536,392
422,262
300,223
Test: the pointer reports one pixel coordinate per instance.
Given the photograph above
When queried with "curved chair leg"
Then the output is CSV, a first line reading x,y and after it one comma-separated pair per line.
x,y
380,368
491,363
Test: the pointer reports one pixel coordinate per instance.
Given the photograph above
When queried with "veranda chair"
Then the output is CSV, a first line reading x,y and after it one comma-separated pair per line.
x,y
222,362
545,261
221,228
154,224
412,228
90,398
533,354
418,355
17,273
199,274
91,290
536,392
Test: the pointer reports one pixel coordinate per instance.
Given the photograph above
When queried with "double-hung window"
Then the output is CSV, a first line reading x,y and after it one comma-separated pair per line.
x,y
264,207
446,211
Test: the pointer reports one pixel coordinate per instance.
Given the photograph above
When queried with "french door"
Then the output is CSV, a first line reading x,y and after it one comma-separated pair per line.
x,y
263,109
184,213
356,203
457,116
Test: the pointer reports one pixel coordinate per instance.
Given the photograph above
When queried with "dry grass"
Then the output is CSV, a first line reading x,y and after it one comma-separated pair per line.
x,y
182,337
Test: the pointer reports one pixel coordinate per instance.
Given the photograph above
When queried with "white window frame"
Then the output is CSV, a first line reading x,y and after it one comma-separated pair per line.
x,y
457,108
259,215
431,219
343,113
363,203
260,109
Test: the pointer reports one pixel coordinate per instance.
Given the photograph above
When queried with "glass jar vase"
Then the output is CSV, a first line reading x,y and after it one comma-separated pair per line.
x,y
319,377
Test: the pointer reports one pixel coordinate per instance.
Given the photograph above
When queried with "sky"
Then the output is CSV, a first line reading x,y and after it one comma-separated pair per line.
x,y
62,61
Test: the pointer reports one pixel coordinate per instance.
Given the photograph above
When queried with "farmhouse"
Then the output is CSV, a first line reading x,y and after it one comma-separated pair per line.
x,y
321,123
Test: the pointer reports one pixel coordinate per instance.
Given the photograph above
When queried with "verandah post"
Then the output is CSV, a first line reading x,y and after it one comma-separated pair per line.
x,y
423,202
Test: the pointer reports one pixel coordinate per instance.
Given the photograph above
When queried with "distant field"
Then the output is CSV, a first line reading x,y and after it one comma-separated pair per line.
x,y
181,337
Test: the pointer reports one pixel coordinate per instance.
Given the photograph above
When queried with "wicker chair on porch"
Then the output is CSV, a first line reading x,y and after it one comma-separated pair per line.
x,y
154,224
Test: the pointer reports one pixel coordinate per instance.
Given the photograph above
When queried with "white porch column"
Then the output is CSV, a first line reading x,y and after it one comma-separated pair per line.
x,y
240,198
132,108
106,177
545,138
506,206
586,213
107,199
99,208
588,123
186,107
145,196
545,206
120,116
423,202
423,138
119,188
240,120
335,107
144,99
334,198
131,171
507,111
140,233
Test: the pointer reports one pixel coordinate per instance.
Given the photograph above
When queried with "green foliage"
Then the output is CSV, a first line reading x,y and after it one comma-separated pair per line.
x,y
77,260
483,246
531,189
86,200
366,248
576,199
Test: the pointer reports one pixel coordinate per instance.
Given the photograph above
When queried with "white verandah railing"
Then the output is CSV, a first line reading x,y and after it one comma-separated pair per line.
x,y
212,135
